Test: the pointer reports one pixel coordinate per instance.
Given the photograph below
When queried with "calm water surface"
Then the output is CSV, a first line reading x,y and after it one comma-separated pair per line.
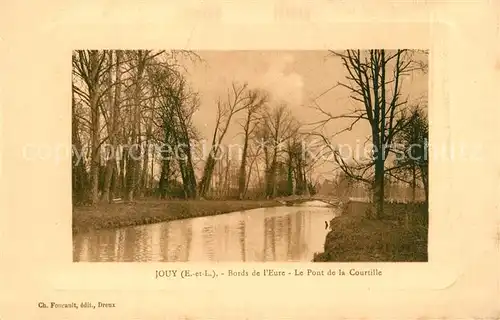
x,y
264,234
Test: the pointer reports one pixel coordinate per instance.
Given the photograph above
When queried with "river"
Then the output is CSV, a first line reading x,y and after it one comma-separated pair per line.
x,y
288,233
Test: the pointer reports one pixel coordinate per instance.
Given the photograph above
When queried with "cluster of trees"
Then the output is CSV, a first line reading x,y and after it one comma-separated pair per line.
x,y
399,127
133,132
269,152
123,103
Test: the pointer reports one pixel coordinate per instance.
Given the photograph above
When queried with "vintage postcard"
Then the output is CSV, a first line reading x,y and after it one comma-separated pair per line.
x,y
218,160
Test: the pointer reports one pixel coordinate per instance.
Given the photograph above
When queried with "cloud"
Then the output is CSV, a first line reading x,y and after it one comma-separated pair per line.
x,y
285,86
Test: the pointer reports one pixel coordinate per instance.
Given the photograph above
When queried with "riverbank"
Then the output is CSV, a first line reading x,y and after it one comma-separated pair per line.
x,y
116,215
400,237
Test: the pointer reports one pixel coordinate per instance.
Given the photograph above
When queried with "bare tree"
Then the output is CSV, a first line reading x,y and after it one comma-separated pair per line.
x,y
256,100
236,101
277,126
300,164
113,103
79,173
176,108
140,57
89,67
375,80
412,148
253,154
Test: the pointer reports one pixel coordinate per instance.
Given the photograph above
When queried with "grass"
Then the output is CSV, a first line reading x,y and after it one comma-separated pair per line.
x,y
401,236
109,216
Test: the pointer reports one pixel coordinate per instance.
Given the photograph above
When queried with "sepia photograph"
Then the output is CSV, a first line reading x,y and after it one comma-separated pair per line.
x,y
250,156
249,160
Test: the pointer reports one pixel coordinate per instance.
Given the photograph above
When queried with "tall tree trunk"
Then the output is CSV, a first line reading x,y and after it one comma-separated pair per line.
x,y
307,192
290,175
226,177
95,129
273,173
138,162
152,178
123,175
114,182
79,174
88,64
301,186
189,179
413,183
378,187
110,166
191,175
207,175
378,127
144,174
164,176
425,181
220,180
268,174
114,107
185,179
243,170
130,172
250,167
135,150
165,163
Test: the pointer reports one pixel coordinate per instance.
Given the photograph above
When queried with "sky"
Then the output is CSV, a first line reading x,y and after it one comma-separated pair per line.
x,y
294,77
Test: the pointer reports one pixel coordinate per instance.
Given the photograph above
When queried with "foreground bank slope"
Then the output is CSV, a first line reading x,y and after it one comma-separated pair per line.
x,y
109,216
400,237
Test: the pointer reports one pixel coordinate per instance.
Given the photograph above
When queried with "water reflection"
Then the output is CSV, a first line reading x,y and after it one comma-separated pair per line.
x,y
267,234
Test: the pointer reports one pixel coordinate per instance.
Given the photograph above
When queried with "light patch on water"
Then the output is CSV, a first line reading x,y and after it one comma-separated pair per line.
x,y
314,203
288,233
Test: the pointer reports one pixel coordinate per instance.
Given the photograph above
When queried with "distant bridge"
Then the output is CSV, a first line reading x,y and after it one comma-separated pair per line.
x,y
332,200
291,200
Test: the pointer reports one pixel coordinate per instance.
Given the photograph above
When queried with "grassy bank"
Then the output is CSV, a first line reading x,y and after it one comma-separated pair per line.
x,y
108,216
401,236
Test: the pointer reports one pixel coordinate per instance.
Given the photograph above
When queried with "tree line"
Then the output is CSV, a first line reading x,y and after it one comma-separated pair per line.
x,y
133,134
